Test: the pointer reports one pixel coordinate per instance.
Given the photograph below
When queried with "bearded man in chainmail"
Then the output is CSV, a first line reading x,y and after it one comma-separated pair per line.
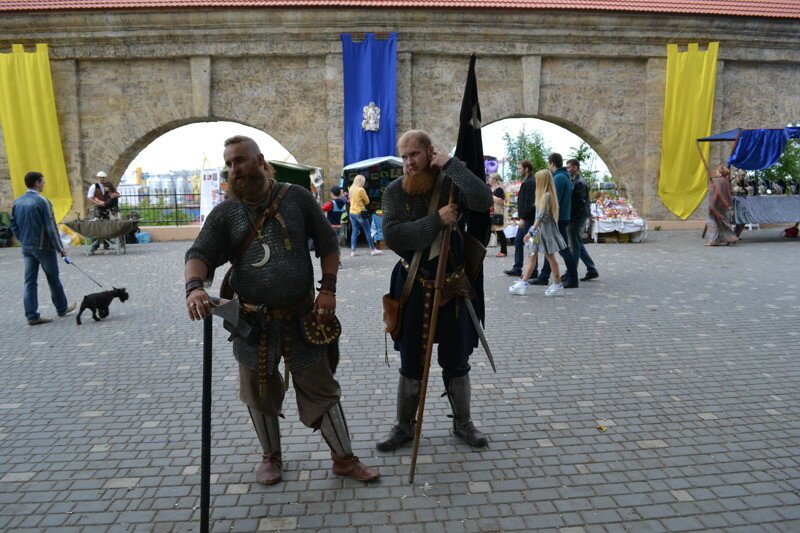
x,y
410,224
263,230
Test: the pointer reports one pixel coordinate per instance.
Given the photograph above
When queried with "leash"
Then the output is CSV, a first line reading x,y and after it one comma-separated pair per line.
x,y
68,261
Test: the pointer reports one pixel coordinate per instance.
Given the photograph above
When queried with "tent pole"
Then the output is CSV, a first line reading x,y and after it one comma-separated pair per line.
x,y
703,159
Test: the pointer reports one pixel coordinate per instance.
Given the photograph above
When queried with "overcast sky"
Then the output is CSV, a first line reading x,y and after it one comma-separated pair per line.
x,y
187,147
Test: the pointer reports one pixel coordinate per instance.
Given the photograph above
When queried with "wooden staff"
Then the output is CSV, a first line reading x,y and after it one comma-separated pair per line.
x,y
444,251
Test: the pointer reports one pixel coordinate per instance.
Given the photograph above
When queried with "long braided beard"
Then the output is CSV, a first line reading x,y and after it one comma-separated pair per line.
x,y
417,183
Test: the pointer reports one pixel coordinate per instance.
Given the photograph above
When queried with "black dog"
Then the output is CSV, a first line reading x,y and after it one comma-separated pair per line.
x,y
99,302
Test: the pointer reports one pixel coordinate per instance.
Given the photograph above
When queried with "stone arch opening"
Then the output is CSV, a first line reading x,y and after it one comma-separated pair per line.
x,y
272,148
174,174
559,134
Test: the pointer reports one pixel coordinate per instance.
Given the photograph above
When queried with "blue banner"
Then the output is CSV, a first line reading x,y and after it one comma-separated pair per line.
x,y
370,107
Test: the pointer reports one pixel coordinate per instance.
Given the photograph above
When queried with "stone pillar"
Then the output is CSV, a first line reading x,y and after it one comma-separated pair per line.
x,y
655,83
65,86
531,81
720,151
404,103
201,85
334,96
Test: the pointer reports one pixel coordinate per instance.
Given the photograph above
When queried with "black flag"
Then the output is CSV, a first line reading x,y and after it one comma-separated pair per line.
x,y
469,149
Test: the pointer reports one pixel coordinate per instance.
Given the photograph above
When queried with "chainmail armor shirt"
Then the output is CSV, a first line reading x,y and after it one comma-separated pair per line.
x,y
284,281
407,226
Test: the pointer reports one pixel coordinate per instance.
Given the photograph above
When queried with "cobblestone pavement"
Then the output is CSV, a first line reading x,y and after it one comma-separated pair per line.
x,y
687,357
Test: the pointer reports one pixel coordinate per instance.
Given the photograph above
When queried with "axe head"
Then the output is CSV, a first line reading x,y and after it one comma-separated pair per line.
x,y
228,310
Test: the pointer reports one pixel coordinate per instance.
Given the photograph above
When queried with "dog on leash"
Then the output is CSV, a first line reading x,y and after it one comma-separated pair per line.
x,y
98,302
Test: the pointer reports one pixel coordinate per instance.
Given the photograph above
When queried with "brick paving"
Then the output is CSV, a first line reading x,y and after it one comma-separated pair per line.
x,y
687,356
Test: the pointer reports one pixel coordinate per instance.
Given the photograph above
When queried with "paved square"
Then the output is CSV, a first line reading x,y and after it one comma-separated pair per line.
x,y
663,396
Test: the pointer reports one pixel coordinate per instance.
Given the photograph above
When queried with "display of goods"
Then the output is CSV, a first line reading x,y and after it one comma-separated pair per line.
x,y
615,208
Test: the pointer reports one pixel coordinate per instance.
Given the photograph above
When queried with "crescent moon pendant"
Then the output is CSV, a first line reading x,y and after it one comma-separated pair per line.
x,y
263,259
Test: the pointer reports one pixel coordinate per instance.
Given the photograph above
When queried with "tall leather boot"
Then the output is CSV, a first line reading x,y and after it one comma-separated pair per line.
x,y
403,430
459,392
334,430
269,435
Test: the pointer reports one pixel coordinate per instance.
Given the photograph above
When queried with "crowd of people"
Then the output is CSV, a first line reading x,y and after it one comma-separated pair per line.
x,y
553,209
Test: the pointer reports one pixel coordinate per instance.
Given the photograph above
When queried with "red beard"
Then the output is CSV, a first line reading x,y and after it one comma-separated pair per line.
x,y
417,183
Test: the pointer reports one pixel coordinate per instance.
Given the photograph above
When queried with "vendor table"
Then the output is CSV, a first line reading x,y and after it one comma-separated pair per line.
x,y
113,231
766,209
636,226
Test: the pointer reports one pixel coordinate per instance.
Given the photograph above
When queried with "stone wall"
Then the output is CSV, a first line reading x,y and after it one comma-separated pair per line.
x,y
124,78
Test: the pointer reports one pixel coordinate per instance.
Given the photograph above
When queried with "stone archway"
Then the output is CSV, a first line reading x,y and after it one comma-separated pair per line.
x,y
126,77
129,155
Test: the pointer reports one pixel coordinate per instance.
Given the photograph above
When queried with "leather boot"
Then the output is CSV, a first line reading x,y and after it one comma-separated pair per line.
x,y
269,471
459,392
403,430
269,435
334,430
350,466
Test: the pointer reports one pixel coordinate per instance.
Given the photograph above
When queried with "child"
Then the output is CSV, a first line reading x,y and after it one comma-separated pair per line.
x,y
544,234
336,210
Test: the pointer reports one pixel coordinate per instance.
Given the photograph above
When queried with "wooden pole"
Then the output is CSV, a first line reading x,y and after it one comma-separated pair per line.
x,y
444,251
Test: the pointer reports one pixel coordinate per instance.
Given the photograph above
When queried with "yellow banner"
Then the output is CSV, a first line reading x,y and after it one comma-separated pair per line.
x,y
688,110
30,125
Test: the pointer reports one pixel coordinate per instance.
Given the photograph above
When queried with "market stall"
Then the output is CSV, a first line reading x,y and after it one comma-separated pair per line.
x,y
615,218
378,171
756,201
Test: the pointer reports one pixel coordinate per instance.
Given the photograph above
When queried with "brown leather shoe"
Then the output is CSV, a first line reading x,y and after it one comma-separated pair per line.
x,y
351,467
269,471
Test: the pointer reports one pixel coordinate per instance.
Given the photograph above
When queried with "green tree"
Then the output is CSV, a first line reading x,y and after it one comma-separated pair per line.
x,y
524,145
586,157
787,167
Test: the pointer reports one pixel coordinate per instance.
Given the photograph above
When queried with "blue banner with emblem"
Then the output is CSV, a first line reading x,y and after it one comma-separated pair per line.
x,y
370,97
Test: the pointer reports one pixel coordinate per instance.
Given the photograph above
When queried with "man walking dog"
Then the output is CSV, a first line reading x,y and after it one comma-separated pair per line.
x,y
34,225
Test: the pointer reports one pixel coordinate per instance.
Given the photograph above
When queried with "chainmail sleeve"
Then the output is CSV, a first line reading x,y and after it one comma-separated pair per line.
x,y
213,244
474,192
318,227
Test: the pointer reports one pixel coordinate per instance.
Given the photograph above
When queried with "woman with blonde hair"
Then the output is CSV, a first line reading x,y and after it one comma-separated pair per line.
x,y
360,217
544,234
499,212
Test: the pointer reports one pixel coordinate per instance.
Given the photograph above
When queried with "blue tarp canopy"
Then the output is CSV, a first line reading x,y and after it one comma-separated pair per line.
x,y
756,149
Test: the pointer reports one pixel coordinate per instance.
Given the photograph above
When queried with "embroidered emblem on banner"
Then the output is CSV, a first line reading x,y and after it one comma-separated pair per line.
x,y
371,117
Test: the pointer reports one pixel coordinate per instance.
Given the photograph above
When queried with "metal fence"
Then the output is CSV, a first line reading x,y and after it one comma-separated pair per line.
x,y
162,209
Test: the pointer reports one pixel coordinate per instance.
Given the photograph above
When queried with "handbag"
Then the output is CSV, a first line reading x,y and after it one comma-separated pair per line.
x,y
317,332
392,307
497,219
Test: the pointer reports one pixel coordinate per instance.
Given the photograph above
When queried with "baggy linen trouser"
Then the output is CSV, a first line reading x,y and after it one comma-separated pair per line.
x,y
315,388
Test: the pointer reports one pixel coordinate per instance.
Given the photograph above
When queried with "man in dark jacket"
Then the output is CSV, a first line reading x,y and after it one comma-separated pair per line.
x,y
527,212
580,214
564,192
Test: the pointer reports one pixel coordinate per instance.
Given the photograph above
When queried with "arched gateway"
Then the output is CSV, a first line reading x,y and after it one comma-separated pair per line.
x,y
128,73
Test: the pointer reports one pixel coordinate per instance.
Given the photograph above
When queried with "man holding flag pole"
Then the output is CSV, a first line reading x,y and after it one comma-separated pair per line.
x,y
419,209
